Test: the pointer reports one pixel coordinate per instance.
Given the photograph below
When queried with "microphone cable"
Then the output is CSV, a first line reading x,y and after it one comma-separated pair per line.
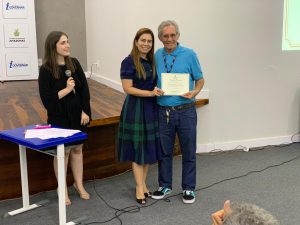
x,y
136,208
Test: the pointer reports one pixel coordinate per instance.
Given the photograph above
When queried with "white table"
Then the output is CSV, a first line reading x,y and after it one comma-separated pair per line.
x,y
17,136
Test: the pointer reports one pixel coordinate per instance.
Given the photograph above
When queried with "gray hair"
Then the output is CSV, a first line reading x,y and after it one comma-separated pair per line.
x,y
167,23
248,214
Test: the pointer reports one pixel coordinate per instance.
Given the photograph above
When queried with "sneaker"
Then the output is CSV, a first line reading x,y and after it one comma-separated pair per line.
x,y
161,193
188,196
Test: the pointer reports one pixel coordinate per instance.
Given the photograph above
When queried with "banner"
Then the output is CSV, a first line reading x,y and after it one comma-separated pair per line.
x,y
18,47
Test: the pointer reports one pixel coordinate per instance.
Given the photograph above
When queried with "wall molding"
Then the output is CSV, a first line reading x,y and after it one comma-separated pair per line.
x,y
106,81
212,147
245,145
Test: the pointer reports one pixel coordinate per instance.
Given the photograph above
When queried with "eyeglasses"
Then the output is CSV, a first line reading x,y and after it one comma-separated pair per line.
x,y
167,36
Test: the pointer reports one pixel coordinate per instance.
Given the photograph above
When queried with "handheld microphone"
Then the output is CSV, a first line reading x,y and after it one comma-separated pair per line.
x,y
68,73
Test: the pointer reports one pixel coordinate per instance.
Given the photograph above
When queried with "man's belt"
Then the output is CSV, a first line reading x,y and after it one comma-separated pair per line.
x,y
178,107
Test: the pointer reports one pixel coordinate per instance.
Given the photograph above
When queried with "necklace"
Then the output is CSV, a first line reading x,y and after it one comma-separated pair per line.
x,y
171,65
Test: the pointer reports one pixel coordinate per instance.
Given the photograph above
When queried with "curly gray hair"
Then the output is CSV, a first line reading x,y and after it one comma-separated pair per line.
x,y
248,214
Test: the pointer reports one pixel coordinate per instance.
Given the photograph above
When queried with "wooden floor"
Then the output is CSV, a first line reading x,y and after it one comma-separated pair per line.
x,y
21,105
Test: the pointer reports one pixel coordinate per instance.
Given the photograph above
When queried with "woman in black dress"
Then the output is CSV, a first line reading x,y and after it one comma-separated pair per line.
x,y
65,94
138,139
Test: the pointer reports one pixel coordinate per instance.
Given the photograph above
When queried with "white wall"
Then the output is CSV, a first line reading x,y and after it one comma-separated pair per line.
x,y
254,87
62,15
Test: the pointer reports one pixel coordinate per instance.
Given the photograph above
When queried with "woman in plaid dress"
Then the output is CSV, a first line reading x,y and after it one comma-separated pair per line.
x,y
138,139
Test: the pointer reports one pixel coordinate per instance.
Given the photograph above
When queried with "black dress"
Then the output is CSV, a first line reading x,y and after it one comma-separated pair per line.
x,y
65,112
138,138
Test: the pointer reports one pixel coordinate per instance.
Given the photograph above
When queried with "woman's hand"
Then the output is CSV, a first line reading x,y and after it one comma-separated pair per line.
x,y
70,84
85,119
69,87
157,92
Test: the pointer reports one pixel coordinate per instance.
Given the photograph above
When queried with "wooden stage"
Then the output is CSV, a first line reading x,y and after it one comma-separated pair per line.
x,y
21,105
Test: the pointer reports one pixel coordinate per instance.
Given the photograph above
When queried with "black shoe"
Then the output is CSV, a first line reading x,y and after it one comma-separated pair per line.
x,y
141,201
161,193
188,196
148,195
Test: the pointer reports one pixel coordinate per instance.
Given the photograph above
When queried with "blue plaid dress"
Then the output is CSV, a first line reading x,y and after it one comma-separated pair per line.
x,y
138,139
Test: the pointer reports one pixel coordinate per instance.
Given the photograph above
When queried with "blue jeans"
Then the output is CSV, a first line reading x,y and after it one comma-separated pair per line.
x,y
184,123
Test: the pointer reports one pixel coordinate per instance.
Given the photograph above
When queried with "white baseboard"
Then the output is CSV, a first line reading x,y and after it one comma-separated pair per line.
x,y
118,86
211,147
246,144
106,81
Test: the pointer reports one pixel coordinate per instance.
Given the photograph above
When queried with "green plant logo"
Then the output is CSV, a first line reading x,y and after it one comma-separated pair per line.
x,y
17,33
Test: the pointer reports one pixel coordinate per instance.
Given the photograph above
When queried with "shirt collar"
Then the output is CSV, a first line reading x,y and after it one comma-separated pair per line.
x,y
175,52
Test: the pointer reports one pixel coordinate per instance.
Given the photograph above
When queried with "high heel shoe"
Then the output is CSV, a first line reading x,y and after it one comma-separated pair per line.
x,y
148,194
141,201
83,195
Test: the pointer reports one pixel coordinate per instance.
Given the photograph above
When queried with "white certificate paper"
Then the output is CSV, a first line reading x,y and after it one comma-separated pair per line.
x,y
175,83
49,133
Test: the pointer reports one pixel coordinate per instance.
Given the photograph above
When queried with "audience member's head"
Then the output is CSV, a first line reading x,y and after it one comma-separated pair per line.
x,y
236,213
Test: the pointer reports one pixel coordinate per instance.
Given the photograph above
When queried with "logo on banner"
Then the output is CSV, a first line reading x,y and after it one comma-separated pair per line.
x,y
9,6
16,35
15,8
18,64
13,64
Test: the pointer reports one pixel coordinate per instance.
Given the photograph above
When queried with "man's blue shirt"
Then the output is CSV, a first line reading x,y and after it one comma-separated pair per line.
x,y
181,60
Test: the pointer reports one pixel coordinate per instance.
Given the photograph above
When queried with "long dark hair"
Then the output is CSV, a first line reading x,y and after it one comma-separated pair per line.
x,y
50,56
135,53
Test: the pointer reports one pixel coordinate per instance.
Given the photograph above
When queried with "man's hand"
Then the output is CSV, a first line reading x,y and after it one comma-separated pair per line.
x,y
190,94
198,86
218,217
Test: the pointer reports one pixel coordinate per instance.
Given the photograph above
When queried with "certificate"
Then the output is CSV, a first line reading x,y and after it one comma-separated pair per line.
x,y
175,83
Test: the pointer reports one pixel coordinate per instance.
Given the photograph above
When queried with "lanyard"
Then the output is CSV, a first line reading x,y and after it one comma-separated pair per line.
x,y
171,66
